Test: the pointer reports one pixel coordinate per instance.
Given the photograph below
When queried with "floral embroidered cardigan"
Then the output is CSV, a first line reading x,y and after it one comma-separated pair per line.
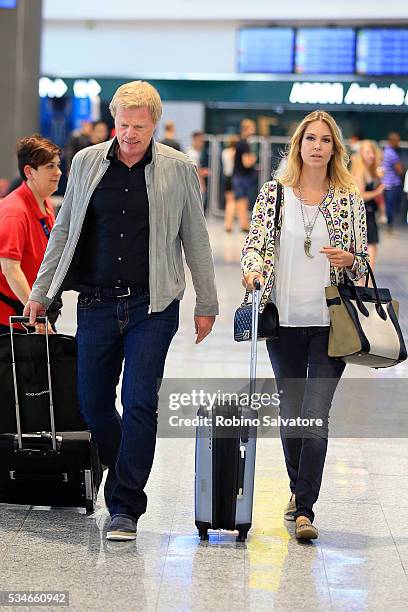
x,y
345,216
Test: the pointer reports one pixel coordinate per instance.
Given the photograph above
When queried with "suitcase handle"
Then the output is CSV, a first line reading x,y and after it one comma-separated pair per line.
x,y
254,336
244,434
21,476
241,471
16,319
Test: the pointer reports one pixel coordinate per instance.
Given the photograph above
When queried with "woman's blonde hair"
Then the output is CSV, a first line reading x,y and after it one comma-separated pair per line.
x,y
337,170
135,95
358,166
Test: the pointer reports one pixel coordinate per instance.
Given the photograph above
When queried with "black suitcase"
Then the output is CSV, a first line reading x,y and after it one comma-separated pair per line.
x,y
39,467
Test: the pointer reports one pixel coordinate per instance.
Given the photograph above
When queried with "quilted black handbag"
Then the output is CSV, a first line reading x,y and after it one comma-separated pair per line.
x,y
268,321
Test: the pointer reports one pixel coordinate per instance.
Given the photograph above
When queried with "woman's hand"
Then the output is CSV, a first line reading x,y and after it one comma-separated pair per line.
x,y
248,280
379,190
338,258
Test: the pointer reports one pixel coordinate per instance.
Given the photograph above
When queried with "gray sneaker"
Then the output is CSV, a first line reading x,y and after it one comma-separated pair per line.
x,y
122,527
290,509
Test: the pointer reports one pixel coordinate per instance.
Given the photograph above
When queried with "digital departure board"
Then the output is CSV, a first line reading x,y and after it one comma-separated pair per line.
x,y
266,50
7,3
382,51
325,51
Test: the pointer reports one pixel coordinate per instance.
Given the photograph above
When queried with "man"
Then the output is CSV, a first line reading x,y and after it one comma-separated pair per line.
x,y
130,205
354,145
355,142
78,140
26,221
99,133
196,151
393,173
170,136
244,172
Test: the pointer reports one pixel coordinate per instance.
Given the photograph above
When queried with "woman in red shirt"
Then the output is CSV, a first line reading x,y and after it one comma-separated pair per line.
x,y
26,220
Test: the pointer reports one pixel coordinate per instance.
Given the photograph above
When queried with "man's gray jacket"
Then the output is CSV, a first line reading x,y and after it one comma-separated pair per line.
x,y
175,216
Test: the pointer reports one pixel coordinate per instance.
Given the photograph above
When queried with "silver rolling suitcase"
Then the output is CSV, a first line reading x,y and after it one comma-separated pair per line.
x,y
225,460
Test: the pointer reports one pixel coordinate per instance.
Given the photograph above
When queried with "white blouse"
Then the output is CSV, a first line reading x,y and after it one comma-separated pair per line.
x,y
300,280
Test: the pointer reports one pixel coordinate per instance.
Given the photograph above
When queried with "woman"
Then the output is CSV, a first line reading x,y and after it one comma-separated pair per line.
x,y
227,161
321,237
367,174
26,220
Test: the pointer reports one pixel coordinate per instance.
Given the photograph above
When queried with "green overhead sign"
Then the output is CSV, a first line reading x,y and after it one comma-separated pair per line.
x,y
361,94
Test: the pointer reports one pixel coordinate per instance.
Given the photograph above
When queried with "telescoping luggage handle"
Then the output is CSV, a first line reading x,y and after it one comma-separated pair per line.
x,y
244,436
52,417
254,336
254,346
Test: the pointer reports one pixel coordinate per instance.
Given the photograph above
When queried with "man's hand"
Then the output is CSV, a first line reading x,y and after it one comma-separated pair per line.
x,y
203,326
33,310
337,257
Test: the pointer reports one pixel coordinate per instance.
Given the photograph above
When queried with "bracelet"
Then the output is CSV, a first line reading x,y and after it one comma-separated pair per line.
x,y
353,264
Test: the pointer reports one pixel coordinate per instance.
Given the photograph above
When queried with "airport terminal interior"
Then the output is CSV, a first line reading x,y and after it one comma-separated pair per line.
x,y
215,64
358,563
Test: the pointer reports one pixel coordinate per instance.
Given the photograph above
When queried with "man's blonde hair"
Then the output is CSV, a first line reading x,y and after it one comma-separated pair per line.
x,y
135,95
337,168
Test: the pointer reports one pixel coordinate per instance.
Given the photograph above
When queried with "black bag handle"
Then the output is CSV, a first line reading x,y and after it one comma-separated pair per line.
x,y
279,191
357,297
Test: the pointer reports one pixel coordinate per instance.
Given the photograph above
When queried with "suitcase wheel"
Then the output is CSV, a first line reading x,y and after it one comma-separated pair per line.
x,y
90,506
203,534
242,535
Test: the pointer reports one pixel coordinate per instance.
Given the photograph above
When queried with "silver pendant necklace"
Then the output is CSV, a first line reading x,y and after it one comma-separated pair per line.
x,y
309,226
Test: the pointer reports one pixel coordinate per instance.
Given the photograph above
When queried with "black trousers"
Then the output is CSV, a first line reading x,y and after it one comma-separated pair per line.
x,y
307,379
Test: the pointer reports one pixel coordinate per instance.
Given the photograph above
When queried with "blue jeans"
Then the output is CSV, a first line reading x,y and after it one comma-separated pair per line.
x,y
243,186
307,379
111,330
392,199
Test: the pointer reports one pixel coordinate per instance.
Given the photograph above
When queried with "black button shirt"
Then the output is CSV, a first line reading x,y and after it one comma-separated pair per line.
x,y
115,241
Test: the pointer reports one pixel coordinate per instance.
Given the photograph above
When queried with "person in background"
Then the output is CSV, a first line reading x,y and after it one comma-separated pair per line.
x,y
4,187
312,248
99,133
406,197
78,140
244,172
354,145
368,176
227,162
169,138
196,152
26,221
393,173
14,183
355,142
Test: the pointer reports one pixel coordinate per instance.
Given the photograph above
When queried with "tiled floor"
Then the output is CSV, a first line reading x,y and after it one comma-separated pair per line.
x,y
359,562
